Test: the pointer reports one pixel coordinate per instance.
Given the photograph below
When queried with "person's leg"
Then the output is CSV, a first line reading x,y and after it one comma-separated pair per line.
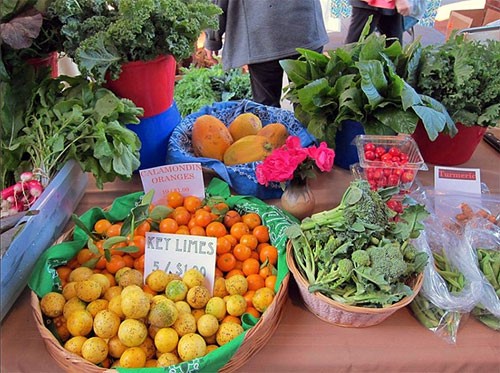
x,y
266,79
391,26
359,17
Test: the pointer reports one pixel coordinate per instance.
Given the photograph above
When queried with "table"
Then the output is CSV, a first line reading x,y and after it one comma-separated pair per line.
x,y
302,342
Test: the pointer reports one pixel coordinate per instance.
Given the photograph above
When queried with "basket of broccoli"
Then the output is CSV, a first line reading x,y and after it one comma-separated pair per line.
x,y
355,264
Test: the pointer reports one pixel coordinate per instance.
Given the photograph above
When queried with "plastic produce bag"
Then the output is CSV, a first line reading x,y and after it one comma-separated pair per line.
x,y
483,240
241,178
452,283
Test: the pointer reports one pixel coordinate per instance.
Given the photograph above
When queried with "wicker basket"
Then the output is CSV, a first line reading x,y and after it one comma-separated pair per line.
x,y
340,314
254,340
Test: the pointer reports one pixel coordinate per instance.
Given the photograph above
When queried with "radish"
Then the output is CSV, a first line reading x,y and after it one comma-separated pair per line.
x,y
26,176
35,188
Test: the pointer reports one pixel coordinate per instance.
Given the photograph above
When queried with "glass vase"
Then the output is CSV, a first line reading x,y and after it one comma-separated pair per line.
x,y
298,199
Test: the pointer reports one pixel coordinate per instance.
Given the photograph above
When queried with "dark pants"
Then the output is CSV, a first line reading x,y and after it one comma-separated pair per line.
x,y
267,80
389,25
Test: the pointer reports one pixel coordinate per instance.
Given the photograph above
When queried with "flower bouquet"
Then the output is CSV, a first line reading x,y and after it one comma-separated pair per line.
x,y
292,165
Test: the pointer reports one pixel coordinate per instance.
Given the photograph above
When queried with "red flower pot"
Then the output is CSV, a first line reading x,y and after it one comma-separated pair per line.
x,y
149,84
446,150
49,61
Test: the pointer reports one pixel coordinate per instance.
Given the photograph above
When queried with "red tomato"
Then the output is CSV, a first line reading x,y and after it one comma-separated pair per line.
x,y
394,151
407,177
379,151
370,155
369,146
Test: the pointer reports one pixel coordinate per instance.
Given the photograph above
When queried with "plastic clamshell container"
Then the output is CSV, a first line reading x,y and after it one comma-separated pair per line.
x,y
405,144
55,206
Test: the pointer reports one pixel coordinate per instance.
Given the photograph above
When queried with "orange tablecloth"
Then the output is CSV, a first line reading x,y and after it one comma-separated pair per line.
x,y
302,342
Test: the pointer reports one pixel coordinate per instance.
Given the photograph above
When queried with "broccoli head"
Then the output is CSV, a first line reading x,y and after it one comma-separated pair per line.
x,y
388,261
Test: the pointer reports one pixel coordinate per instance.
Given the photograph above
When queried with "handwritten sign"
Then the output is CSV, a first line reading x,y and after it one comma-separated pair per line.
x,y
465,180
186,178
176,253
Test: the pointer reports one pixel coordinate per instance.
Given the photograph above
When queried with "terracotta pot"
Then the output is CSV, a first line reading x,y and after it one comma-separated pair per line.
x,y
49,61
149,84
446,150
298,199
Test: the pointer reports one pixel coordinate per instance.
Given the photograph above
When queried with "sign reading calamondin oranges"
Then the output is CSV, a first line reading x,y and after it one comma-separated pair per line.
x,y
185,178
177,253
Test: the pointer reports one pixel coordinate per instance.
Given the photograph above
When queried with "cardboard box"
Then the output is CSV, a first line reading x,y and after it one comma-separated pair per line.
x,y
462,19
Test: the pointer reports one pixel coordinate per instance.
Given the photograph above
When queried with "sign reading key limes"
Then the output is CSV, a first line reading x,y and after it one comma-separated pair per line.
x,y
176,253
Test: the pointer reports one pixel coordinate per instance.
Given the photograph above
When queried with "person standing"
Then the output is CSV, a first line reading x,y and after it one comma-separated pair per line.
x,y
387,18
260,33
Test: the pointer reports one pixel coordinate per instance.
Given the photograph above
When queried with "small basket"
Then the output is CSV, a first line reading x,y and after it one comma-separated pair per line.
x,y
254,340
340,314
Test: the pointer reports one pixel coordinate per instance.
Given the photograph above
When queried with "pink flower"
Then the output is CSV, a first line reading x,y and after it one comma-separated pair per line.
x,y
293,161
323,156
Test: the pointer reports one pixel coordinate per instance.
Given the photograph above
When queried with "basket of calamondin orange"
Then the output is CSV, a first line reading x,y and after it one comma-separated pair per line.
x,y
97,310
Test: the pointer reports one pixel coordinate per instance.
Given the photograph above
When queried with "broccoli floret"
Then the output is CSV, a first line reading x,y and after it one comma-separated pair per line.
x,y
388,260
360,258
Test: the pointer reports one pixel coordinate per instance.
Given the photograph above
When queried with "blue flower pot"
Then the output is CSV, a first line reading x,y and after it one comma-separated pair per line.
x,y
154,133
346,153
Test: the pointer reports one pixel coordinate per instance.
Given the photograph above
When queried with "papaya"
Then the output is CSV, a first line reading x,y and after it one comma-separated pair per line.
x,y
251,148
243,125
276,134
210,137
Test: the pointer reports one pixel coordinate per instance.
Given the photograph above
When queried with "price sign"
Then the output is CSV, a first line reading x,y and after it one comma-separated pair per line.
x,y
185,178
465,180
176,253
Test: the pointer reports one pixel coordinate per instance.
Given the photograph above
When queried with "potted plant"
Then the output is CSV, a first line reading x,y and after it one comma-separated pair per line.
x,y
464,75
361,85
28,34
107,38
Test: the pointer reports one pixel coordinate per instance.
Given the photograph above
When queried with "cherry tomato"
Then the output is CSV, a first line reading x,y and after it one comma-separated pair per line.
x,y
403,158
394,151
370,155
369,146
379,151
396,159
386,157
407,177
393,180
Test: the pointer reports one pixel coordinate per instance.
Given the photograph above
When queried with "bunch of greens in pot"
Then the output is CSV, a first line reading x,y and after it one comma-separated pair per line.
x,y
26,31
358,253
464,75
101,35
51,120
202,86
368,82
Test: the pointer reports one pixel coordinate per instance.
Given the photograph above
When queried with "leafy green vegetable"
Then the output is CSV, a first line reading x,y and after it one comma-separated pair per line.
x,y
364,82
100,35
357,253
71,118
202,86
465,76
